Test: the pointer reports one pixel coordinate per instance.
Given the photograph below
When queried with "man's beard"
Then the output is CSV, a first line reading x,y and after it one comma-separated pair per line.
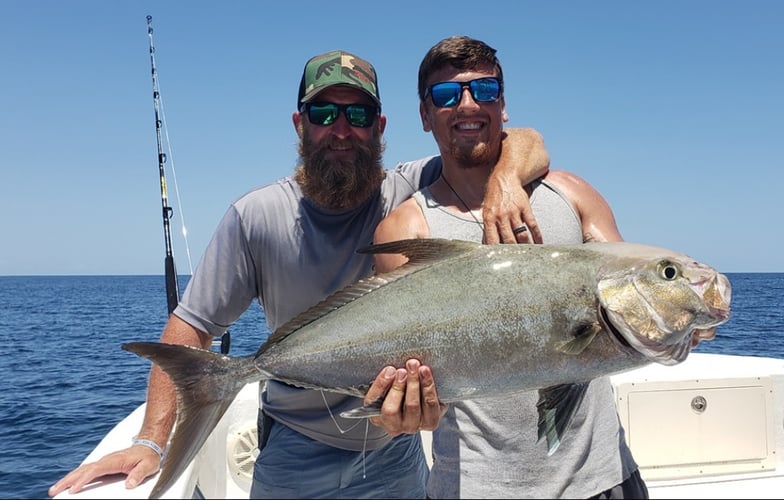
x,y
338,183
478,156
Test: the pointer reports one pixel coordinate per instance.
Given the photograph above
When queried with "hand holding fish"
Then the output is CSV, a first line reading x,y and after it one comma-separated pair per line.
x,y
410,401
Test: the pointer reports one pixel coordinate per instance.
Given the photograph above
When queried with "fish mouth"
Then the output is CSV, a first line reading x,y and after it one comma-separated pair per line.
x,y
706,333
701,334
722,314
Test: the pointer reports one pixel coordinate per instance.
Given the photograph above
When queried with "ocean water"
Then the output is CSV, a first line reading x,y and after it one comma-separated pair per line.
x,y
66,382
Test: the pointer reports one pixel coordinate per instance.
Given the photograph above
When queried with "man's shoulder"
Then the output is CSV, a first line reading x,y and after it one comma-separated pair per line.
x,y
564,178
279,189
418,173
419,164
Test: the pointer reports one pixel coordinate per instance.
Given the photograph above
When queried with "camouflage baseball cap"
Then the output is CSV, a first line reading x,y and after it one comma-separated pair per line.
x,y
337,68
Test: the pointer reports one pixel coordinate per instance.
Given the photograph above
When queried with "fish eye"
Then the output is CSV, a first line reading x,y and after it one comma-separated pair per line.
x,y
668,271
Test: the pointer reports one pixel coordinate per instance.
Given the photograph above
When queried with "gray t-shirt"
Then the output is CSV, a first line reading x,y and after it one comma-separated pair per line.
x,y
277,247
487,448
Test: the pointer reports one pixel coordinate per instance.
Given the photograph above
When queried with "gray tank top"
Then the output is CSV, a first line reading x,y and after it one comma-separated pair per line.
x,y
488,448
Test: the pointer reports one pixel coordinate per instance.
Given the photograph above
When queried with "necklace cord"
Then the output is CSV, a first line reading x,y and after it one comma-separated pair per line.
x,y
461,201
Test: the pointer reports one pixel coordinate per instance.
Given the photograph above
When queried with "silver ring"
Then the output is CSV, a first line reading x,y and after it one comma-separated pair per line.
x,y
519,230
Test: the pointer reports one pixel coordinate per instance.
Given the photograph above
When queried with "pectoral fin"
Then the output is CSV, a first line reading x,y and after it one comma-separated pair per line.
x,y
581,339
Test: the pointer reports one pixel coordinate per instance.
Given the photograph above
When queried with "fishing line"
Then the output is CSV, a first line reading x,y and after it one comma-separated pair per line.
x,y
364,447
333,417
184,230
160,124
364,441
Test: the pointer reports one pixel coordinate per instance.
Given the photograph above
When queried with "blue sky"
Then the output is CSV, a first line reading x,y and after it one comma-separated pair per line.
x,y
673,110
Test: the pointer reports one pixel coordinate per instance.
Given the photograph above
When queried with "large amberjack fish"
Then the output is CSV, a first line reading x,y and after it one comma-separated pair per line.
x,y
488,319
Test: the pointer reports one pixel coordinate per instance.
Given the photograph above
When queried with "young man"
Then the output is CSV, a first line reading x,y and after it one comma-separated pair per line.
x,y
488,448
289,245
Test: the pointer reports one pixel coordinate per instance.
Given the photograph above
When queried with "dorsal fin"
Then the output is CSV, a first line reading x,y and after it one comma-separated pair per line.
x,y
421,253
423,250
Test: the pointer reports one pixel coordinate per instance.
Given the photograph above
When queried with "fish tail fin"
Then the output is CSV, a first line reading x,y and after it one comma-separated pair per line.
x,y
199,377
557,406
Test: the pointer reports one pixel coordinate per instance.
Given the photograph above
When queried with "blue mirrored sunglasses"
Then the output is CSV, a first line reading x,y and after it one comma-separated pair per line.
x,y
448,94
326,113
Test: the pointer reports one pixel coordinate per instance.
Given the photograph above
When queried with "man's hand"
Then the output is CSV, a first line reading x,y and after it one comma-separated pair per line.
x,y
506,207
411,402
137,462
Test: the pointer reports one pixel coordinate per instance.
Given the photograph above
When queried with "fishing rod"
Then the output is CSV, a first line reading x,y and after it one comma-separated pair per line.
x,y
172,288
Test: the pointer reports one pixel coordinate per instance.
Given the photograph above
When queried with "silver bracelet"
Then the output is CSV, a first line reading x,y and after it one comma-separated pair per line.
x,y
149,444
